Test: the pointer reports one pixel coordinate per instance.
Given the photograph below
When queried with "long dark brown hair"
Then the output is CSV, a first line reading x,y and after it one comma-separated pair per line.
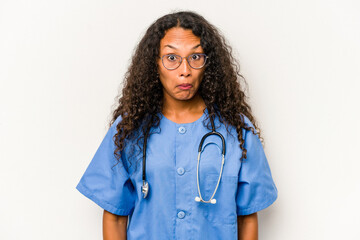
x,y
222,88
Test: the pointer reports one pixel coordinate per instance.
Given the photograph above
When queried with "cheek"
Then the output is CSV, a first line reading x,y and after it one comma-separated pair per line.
x,y
166,77
162,71
200,76
165,80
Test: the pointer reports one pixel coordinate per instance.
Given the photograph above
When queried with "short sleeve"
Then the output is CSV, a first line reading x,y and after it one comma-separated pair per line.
x,y
105,182
256,188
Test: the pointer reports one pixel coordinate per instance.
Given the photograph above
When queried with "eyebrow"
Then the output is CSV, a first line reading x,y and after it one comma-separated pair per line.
x,y
167,45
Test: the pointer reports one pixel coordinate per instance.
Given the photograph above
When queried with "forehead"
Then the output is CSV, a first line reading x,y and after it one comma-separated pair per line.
x,y
179,38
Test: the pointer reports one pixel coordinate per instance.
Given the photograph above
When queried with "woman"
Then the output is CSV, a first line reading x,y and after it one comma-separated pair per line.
x,y
148,175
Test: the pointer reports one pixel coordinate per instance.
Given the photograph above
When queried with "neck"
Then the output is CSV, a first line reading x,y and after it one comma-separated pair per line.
x,y
174,107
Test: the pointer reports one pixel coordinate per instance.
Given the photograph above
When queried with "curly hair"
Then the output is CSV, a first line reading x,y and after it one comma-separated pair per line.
x,y
222,87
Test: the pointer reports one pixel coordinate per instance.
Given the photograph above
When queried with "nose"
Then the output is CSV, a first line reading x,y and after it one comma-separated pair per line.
x,y
184,68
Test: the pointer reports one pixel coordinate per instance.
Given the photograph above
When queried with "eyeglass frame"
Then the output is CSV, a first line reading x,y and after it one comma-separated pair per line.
x,y
187,59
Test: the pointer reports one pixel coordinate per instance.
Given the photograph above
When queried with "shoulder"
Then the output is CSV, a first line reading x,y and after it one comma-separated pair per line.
x,y
247,122
116,122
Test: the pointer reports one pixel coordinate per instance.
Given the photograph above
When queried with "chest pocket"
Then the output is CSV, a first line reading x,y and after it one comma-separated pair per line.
x,y
224,210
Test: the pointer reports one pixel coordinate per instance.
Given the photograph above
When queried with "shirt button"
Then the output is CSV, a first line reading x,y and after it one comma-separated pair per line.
x,y
181,214
180,171
182,130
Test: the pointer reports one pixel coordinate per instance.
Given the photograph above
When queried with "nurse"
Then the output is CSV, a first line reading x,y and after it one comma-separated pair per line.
x,y
147,173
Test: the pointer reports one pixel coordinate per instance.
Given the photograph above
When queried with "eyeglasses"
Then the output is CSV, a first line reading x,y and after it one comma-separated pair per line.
x,y
173,61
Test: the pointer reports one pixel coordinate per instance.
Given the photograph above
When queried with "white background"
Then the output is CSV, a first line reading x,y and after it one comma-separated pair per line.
x,y
62,63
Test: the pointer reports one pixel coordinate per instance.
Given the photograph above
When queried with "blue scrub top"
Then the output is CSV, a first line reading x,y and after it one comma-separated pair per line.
x,y
170,210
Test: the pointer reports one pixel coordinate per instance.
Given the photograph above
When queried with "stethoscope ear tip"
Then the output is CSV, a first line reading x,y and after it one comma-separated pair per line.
x,y
212,201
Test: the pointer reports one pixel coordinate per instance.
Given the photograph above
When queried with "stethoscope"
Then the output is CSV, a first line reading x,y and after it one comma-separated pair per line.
x,y
145,185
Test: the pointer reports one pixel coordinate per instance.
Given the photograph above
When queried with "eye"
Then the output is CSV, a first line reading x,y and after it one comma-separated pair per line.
x,y
171,57
195,56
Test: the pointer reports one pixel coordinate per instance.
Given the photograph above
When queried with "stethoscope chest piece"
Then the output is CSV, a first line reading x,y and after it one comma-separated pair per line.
x,y
145,189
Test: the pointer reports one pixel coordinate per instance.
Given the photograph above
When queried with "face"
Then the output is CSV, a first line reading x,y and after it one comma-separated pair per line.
x,y
182,83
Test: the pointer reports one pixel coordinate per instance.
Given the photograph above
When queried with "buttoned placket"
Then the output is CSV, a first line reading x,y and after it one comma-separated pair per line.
x,y
182,178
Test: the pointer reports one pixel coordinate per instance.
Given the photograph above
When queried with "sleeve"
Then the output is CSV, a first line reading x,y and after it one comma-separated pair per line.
x,y
107,185
256,188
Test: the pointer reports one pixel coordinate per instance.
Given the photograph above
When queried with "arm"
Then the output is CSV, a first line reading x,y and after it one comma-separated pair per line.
x,y
248,227
114,226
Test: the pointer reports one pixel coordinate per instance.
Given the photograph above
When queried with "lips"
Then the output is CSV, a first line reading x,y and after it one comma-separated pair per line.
x,y
185,86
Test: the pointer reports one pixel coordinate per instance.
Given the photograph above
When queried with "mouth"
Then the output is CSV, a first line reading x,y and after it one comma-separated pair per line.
x,y
185,86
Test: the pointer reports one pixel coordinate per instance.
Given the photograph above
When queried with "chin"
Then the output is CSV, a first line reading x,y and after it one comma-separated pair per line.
x,y
186,97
